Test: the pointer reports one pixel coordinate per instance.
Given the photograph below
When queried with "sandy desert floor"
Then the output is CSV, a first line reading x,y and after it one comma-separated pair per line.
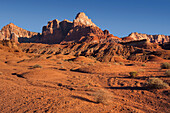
x,y
72,86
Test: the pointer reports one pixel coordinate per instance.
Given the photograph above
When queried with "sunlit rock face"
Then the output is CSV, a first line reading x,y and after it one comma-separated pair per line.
x,y
82,19
13,32
152,38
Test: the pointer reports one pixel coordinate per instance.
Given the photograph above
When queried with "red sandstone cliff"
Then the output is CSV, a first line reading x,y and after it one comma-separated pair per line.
x,y
82,29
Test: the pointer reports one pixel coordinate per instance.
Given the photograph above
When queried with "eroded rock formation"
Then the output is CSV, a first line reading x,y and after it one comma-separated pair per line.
x,y
13,32
152,38
82,29
104,52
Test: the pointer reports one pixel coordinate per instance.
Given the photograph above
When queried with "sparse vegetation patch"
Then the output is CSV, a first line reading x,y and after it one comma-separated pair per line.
x,y
156,83
133,74
36,66
102,96
167,73
121,63
143,64
165,65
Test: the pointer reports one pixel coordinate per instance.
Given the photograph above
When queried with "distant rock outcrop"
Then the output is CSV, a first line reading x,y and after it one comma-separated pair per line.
x,y
13,33
152,38
82,29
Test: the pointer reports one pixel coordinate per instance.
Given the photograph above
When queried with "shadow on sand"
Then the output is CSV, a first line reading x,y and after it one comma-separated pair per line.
x,y
84,99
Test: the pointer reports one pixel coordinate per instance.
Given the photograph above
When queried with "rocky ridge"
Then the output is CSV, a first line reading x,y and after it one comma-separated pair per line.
x,y
81,29
104,52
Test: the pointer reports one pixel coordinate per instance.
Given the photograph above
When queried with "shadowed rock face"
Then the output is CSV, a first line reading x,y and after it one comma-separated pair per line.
x,y
152,38
55,31
13,32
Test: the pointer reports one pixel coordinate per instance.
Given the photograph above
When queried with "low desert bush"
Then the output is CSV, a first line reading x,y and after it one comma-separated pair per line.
x,y
36,66
167,72
62,68
59,62
156,83
121,63
70,61
115,63
143,64
133,74
165,65
102,96
65,59
90,64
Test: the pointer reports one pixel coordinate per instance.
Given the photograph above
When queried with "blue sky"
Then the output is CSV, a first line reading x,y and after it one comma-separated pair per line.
x,y
120,17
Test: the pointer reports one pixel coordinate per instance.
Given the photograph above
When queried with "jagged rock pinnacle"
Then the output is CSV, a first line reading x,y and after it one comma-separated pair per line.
x,y
82,19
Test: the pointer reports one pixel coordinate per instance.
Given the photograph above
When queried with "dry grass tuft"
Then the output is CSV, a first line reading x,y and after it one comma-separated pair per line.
x,y
165,65
156,83
143,64
167,73
121,63
103,96
36,66
133,74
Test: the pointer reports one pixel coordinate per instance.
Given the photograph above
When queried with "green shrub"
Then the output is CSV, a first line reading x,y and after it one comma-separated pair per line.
x,y
165,65
167,73
133,74
36,66
156,83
